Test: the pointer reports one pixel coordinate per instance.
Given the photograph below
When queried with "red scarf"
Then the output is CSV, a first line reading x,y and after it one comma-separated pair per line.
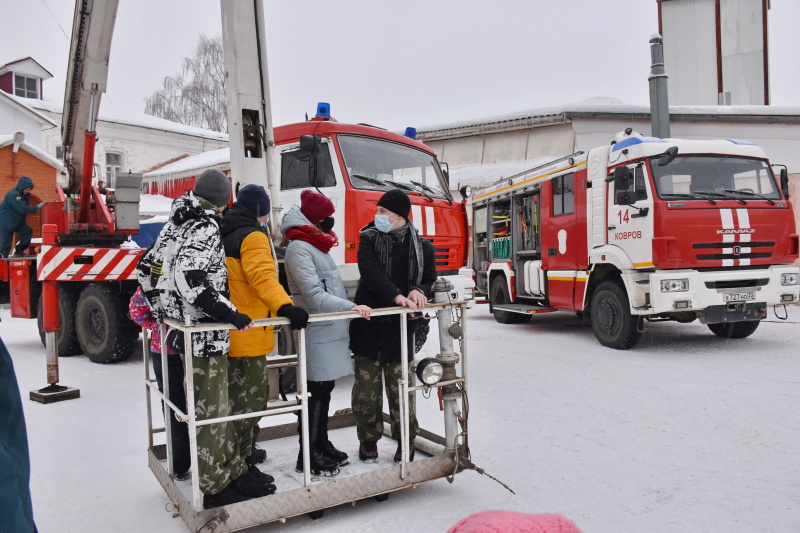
x,y
311,234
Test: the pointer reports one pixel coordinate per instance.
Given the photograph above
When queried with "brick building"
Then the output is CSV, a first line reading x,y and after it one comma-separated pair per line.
x,y
24,159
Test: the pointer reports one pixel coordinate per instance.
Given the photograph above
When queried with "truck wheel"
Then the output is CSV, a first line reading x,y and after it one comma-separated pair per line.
x,y
734,330
105,332
612,322
66,339
499,296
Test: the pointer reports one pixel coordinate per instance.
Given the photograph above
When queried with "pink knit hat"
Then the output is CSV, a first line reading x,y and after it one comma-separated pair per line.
x,y
513,522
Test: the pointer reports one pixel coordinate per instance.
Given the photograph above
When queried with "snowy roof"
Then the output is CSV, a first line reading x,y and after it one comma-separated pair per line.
x,y
602,107
154,205
22,105
109,113
27,66
189,166
6,140
480,175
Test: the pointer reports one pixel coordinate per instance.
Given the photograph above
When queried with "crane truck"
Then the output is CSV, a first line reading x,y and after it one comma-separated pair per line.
x,y
91,259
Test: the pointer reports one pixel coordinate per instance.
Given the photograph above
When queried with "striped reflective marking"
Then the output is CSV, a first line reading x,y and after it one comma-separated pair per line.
x,y
727,223
744,223
107,264
430,221
416,217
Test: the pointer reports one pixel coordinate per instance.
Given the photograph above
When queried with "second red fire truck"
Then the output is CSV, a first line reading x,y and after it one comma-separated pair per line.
x,y
641,229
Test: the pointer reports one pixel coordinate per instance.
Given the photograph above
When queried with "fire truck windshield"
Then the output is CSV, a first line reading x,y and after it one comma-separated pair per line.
x,y
720,176
379,164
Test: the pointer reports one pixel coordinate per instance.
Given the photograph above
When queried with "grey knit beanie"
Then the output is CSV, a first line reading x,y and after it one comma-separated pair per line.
x,y
214,186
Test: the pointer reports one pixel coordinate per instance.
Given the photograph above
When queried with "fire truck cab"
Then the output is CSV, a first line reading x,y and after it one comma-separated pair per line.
x,y
643,228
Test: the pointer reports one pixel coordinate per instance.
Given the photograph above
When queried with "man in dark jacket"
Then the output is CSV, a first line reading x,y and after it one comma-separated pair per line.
x,y
13,211
397,268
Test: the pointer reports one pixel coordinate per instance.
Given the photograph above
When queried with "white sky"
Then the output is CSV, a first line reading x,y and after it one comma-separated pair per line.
x,y
394,64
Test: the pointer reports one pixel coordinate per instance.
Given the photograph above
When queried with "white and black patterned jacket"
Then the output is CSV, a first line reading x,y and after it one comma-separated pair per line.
x,y
183,276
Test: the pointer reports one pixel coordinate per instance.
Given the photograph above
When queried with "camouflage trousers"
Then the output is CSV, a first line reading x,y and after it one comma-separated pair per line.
x,y
248,388
367,398
219,460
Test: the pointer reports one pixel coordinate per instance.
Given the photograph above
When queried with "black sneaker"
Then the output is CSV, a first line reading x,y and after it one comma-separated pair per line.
x,y
256,457
368,451
330,451
248,486
258,475
227,496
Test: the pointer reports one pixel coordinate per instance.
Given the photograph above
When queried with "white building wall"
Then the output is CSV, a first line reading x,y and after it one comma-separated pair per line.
x,y
142,148
12,121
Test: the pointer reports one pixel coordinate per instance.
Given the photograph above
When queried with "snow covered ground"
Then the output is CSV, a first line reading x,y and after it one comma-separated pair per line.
x,y
685,433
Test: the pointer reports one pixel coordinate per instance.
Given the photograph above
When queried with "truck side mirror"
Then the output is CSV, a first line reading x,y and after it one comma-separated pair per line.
x,y
316,163
622,179
785,182
625,198
307,143
445,171
668,156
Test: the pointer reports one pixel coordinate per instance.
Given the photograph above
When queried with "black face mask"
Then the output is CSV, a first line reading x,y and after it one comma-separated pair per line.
x,y
326,224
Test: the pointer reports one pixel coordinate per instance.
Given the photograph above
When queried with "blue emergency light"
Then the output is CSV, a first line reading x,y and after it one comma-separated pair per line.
x,y
323,110
411,133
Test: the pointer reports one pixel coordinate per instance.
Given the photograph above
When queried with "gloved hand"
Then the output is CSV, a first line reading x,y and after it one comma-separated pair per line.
x,y
240,320
298,317
39,206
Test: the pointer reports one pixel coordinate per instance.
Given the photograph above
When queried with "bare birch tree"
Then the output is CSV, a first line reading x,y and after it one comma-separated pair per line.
x,y
195,96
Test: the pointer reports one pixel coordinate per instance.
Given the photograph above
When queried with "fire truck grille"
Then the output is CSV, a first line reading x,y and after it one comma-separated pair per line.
x,y
733,250
448,253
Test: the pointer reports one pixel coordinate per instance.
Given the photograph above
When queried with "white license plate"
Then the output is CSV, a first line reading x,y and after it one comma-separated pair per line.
x,y
738,296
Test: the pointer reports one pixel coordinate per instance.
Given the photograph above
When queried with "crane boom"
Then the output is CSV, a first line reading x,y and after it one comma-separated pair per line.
x,y
93,27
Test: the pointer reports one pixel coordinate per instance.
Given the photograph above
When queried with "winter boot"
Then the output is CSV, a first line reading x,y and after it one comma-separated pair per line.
x,y
327,447
398,455
19,250
227,496
330,451
258,475
368,451
256,457
247,485
320,464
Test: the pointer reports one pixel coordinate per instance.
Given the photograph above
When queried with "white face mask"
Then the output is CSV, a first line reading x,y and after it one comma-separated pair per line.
x,y
382,223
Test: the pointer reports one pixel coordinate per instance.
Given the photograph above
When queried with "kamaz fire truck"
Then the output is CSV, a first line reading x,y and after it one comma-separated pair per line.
x,y
642,229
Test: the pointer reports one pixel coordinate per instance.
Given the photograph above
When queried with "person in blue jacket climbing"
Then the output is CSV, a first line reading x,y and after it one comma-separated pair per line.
x,y
13,211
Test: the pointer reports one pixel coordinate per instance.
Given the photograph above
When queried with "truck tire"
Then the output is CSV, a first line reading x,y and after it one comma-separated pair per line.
x,y
66,339
612,322
499,296
734,330
105,332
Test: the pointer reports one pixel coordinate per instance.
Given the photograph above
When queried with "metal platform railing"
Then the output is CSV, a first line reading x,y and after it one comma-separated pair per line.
x,y
314,497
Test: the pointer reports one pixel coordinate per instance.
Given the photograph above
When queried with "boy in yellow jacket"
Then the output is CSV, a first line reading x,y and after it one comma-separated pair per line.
x,y
256,291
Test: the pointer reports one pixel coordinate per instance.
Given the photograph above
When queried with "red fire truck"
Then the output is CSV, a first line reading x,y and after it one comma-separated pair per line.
x,y
354,165
641,229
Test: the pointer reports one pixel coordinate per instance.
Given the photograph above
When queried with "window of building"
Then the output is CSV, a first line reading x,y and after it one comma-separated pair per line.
x,y
564,195
59,153
113,166
26,87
